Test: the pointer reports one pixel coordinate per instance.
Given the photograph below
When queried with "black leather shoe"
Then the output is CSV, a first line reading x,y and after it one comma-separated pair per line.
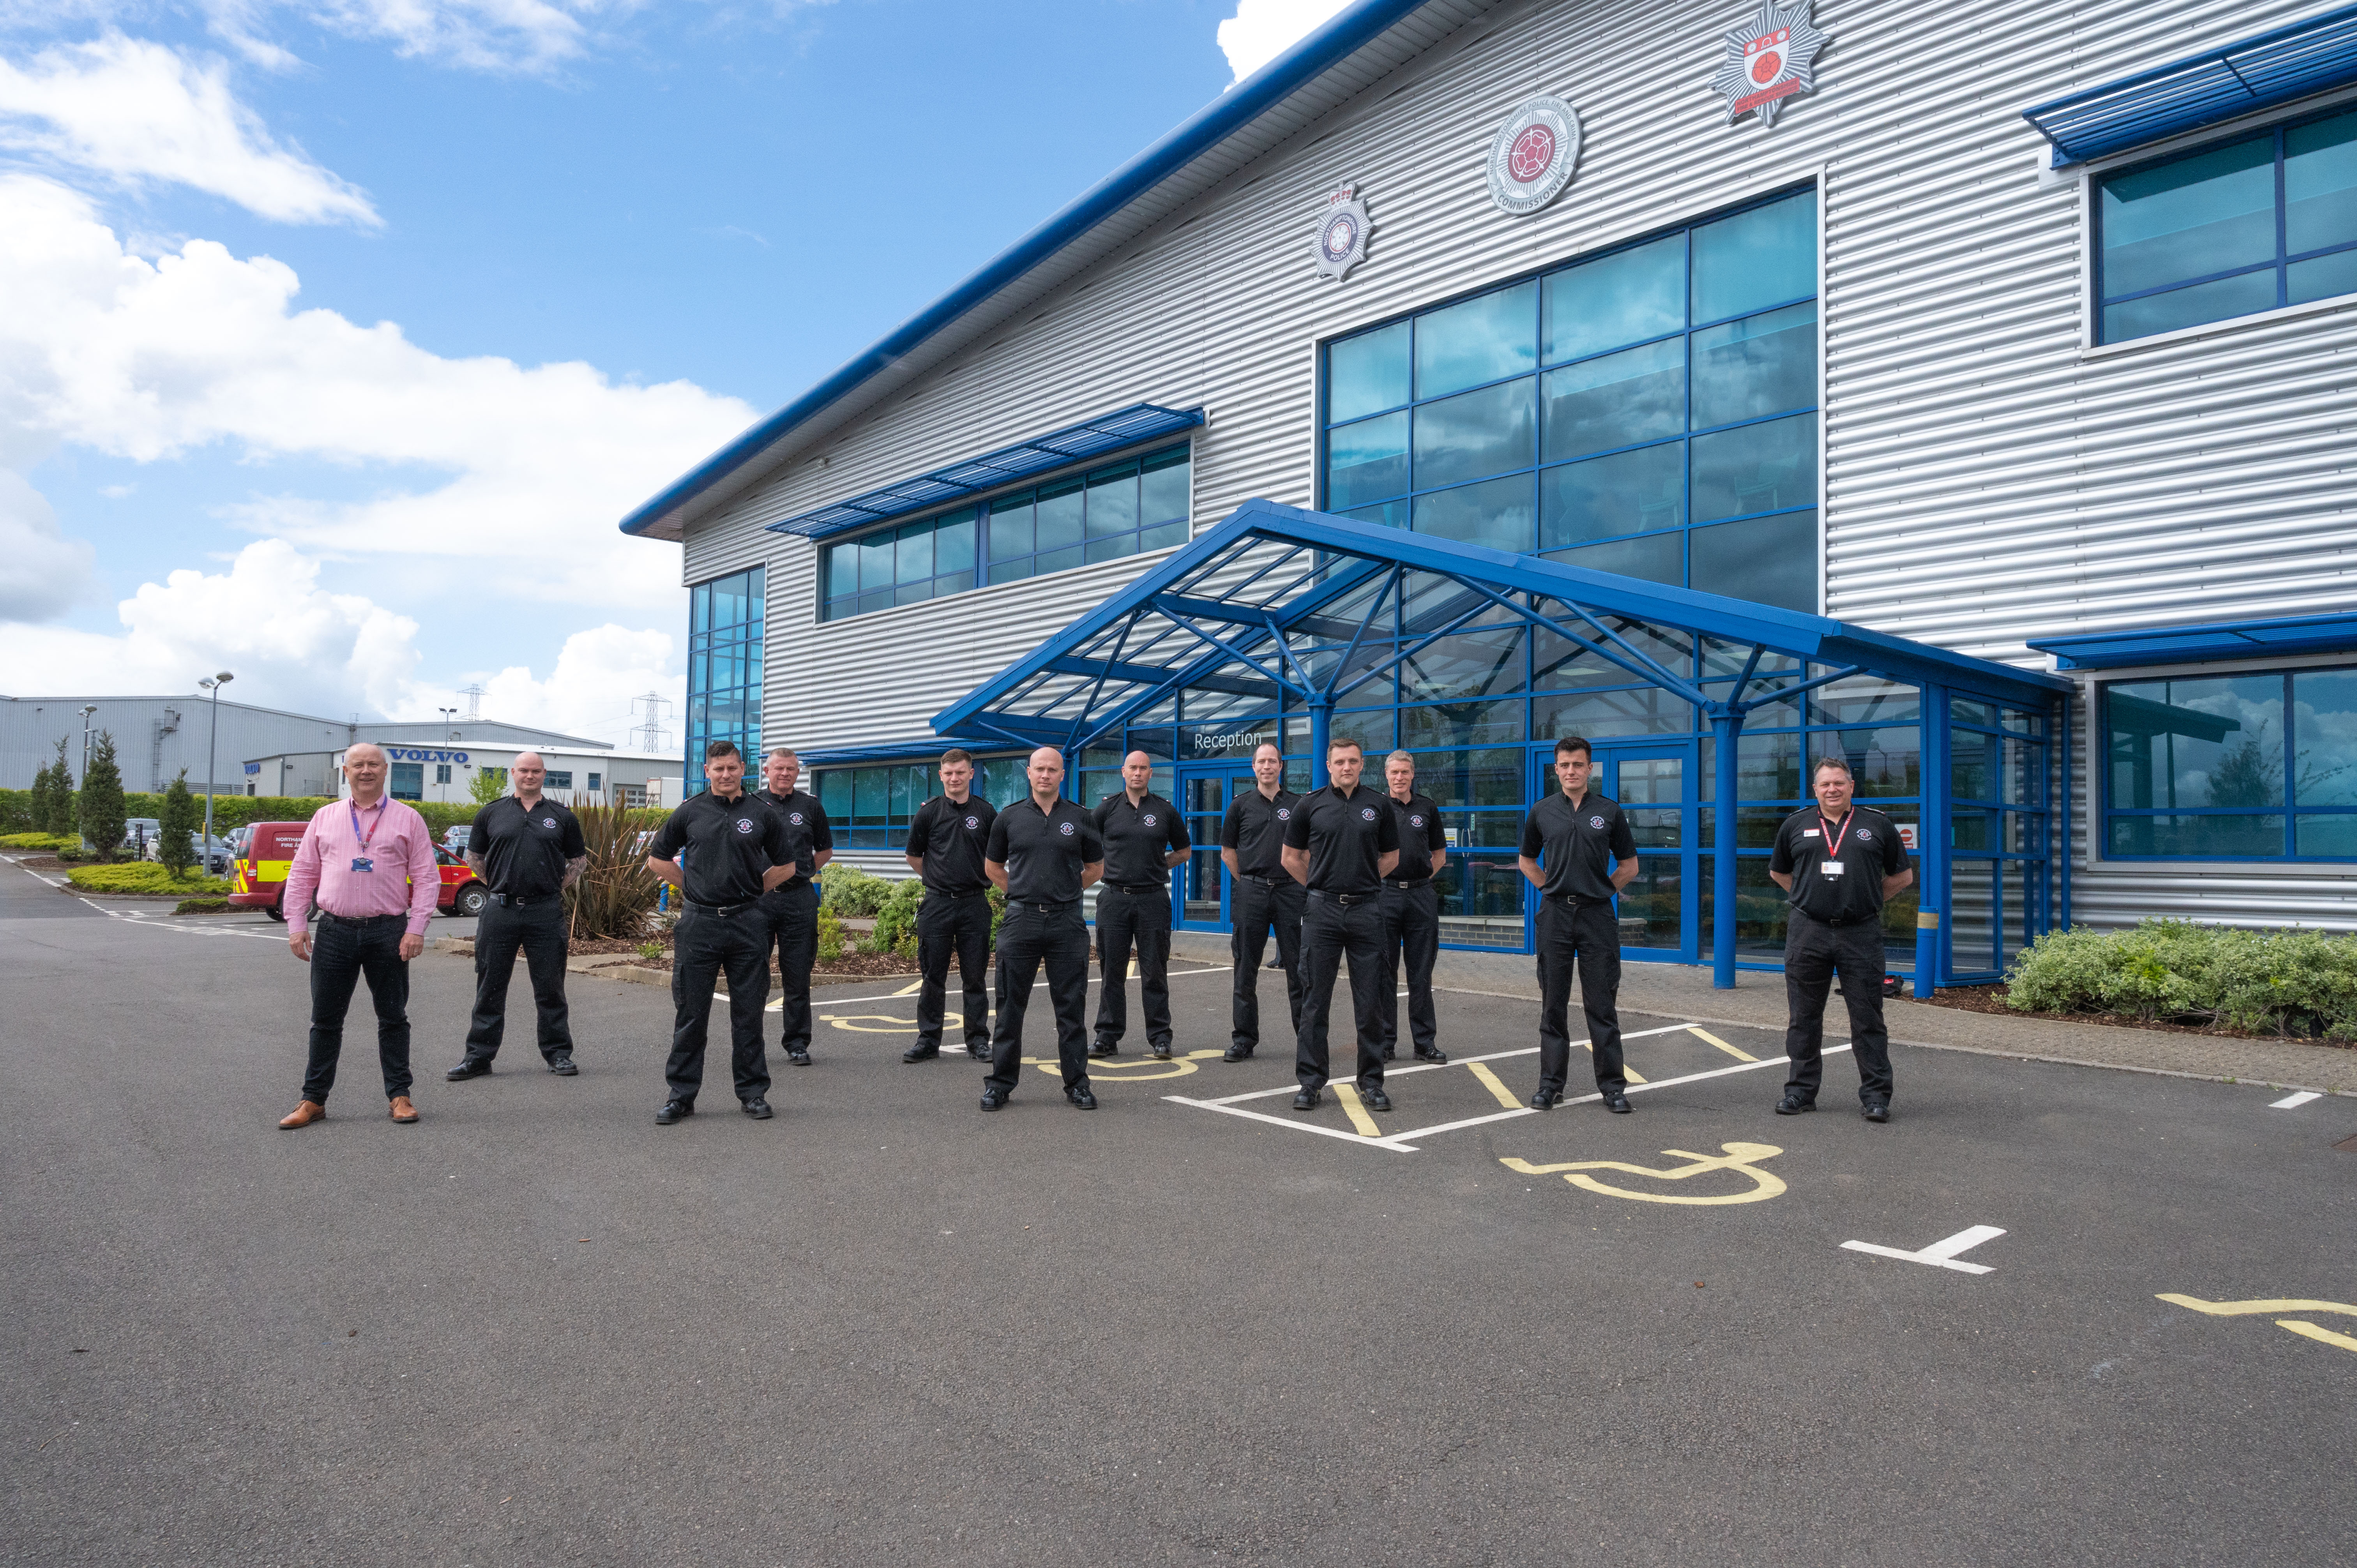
x,y
1434,1054
992,1099
757,1109
1159,1053
1616,1103
673,1110
1877,1110
1388,1053
561,1064
1104,1048
800,1058
1374,1099
979,1053
1546,1098
1081,1098
1792,1104
1237,1054
473,1066
1305,1100
920,1053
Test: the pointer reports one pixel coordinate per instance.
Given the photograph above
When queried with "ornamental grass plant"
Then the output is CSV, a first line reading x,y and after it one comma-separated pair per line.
x,y
616,894
2296,984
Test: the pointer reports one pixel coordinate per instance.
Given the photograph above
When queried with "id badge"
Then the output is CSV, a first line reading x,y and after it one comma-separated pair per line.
x,y
363,863
1831,870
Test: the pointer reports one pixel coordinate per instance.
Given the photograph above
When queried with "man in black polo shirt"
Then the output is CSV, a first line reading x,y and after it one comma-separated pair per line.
x,y
946,840
1262,896
737,850
1579,853
1143,838
791,906
527,849
1044,851
1341,843
1410,906
1837,861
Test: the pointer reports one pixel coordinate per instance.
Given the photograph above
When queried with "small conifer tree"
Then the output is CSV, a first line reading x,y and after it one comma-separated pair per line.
x,y
101,806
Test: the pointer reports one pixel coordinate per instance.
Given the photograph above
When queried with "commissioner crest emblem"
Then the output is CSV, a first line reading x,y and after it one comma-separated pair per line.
x,y
1532,157
1768,61
1343,234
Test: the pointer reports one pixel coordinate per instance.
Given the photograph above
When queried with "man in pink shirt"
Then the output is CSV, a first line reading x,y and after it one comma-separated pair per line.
x,y
368,864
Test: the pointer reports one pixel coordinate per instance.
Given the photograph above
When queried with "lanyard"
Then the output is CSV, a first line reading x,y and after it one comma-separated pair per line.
x,y
363,842
1833,838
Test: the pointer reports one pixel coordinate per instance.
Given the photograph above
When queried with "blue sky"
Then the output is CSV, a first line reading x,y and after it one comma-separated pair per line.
x,y
599,239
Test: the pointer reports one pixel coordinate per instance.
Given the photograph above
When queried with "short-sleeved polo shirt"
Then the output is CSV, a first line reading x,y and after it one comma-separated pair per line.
x,y
524,848
1255,828
1420,836
1345,835
950,838
1577,843
1138,838
807,829
729,844
1865,844
1044,852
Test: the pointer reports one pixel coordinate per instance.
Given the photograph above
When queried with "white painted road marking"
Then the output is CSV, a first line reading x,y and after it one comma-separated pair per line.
x,y
2289,1100
1939,1254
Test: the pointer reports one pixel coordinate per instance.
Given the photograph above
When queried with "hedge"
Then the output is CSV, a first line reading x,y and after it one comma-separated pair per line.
x,y
2277,982
145,876
236,811
50,842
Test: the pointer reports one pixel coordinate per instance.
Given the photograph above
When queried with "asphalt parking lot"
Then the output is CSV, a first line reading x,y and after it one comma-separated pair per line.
x,y
535,1327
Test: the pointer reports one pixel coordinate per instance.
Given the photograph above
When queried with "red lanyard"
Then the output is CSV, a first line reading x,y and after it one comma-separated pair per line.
x,y
362,843
1833,838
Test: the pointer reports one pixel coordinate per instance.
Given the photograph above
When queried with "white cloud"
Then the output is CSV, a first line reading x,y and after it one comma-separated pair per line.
x,y
1263,30
488,34
42,572
136,112
590,690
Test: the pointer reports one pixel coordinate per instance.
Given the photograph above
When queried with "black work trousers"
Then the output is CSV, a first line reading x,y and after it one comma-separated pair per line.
x,y
1586,938
1029,936
702,947
1139,920
951,923
1255,909
793,914
1331,930
1411,930
1814,953
342,951
537,928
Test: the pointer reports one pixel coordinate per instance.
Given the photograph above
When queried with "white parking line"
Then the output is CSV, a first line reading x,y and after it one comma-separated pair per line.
x,y
1391,1073
1093,979
2291,1100
1939,1254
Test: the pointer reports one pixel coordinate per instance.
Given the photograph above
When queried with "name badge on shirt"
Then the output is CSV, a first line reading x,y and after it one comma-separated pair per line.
x,y
1831,870
363,863
1808,832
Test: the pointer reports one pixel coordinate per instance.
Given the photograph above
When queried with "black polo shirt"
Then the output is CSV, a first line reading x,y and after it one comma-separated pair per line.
x,y
950,838
1255,828
1344,835
807,830
729,844
1044,851
1865,844
1576,846
1420,836
1136,838
524,848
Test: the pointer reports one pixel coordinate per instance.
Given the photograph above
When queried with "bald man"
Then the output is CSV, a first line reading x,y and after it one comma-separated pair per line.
x,y
1143,838
527,849
1043,852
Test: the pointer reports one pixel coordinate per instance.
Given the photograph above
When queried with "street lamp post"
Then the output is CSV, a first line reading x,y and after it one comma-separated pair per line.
x,y
87,709
212,748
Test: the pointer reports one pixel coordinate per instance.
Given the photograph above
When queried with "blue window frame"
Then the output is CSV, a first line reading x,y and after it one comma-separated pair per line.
x,y
2252,225
724,667
2247,766
1090,515
1651,411
870,808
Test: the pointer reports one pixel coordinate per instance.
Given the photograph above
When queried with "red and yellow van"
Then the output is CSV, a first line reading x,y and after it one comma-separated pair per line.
x,y
270,849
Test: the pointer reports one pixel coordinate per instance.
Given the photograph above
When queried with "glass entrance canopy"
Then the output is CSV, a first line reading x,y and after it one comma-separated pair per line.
x,y
1300,627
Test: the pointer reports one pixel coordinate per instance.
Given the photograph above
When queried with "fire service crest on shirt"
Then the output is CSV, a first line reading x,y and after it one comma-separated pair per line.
x,y
1343,234
1768,61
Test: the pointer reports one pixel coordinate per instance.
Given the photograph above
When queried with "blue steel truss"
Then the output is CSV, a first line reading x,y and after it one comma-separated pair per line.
x,y
1280,600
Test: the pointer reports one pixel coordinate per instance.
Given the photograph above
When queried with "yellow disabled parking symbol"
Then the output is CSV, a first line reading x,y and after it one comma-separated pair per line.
x,y
1737,1159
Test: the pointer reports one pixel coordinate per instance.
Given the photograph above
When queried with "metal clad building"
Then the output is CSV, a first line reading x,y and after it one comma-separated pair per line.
x,y
2030,429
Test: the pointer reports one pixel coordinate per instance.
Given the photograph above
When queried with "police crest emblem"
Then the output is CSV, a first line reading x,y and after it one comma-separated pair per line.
x,y
1342,235
1768,61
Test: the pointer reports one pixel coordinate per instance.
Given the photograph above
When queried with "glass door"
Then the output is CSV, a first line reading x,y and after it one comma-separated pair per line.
x,y
1654,782
1200,885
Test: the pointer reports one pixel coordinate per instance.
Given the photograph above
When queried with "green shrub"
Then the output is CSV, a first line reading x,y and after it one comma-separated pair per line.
x,y
53,842
2280,983
179,823
896,922
851,892
99,808
143,876
201,906
830,936
18,814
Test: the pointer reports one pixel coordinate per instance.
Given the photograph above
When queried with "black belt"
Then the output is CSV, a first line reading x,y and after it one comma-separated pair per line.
x,y
1344,899
722,911
1405,881
1574,901
514,902
1043,907
1265,881
1845,920
331,915
943,893
1138,887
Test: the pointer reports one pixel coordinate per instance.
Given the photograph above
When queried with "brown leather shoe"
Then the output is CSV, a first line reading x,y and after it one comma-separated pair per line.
x,y
402,1109
303,1116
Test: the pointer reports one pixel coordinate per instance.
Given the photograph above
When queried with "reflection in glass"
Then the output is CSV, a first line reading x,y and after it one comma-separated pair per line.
x,y
2230,834
1755,469
1368,372
2324,715
2320,184
2214,742
1366,461
1636,491
1112,501
1470,664
1654,557
1631,710
1472,779
1625,297
1763,257
1460,724
1475,435
2190,217
1620,400
2331,834
1767,560
1485,339
2242,294
1756,367
2321,278
1496,512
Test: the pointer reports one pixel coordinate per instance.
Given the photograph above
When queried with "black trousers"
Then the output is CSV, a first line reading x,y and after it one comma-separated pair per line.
x,y
1814,952
1411,927
1141,920
792,914
1329,930
538,929
1027,938
341,953
702,947
960,925
1589,939
1255,909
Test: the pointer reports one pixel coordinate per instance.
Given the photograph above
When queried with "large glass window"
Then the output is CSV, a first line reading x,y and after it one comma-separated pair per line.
x,y
2232,766
1651,412
2266,220
1098,514
724,667
870,808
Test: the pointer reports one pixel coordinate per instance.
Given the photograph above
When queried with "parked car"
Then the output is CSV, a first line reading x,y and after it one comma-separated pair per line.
x,y
217,862
262,874
140,837
455,838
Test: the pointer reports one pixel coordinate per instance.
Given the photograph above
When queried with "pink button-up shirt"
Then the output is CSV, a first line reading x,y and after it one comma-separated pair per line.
x,y
400,848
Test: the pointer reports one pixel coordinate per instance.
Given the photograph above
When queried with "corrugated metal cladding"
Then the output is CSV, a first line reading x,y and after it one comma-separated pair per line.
x,y
1987,479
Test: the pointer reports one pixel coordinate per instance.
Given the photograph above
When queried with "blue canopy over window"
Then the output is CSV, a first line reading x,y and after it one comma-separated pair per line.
x,y
2201,644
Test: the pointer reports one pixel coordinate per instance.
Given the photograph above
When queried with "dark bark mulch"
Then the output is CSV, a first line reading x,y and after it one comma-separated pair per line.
x,y
1991,999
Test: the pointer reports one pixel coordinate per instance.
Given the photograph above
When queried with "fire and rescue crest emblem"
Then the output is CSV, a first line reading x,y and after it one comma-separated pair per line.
x,y
1342,235
1531,157
1768,61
